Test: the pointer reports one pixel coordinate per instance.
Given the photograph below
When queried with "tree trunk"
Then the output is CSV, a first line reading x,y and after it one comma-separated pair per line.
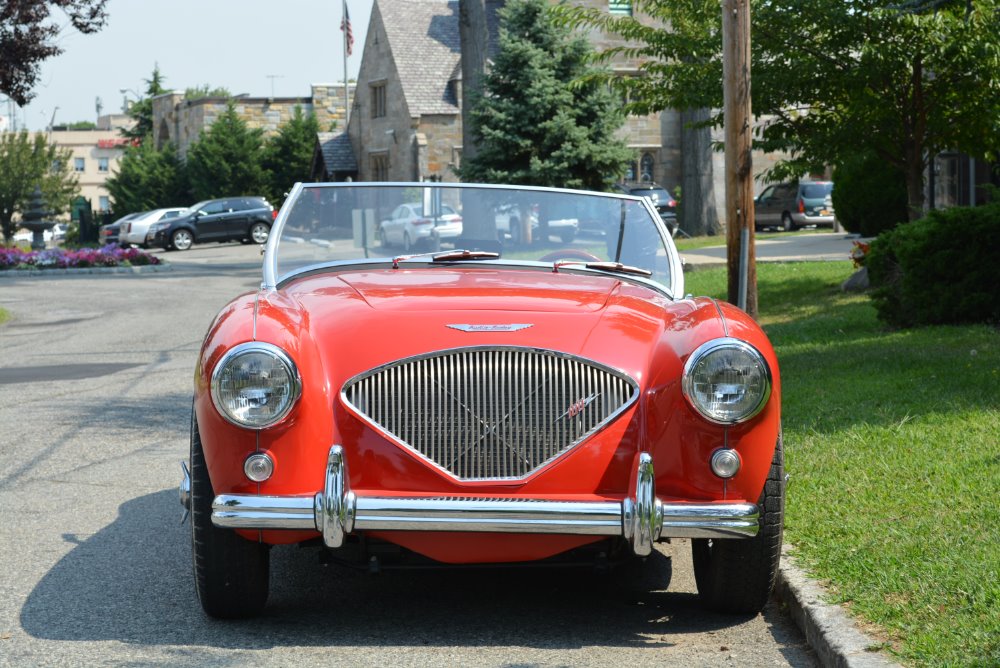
x,y
915,186
698,216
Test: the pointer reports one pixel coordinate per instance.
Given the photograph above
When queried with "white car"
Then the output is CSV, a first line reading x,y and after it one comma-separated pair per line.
x,y
408,227
509,225
134,231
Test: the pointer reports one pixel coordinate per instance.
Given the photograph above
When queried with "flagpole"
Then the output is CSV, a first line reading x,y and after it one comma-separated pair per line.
x,y
347,94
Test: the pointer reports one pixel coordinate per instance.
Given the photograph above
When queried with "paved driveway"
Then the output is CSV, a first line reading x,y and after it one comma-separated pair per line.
x,y
95,380
804,246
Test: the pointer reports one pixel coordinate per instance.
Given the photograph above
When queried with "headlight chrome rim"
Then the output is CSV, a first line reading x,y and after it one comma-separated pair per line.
x,y
707,349
294,391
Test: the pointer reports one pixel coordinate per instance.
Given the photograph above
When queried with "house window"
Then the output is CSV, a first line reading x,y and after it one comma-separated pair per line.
x,y
104,203
620,8
78,164
378,99
646,167
380,166
102,164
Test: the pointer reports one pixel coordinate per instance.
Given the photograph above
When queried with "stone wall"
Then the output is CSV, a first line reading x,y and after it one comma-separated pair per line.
x,y
182,121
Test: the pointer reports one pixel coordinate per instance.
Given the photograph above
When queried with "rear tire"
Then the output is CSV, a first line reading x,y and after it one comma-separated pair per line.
x,y
736,575
230,573
787,224
259,233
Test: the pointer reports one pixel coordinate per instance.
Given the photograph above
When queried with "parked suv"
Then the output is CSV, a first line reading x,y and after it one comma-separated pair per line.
x,y
246,219
662,200
793,205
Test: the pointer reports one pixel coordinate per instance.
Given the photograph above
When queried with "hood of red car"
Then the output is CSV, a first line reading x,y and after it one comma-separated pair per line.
x,y
480,290
359,320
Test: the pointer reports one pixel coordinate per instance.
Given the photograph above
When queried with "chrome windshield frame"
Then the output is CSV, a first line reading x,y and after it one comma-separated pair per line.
x,y
270,264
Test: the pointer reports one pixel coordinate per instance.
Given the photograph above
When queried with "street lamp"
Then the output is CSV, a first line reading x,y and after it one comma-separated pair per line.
x,y
125,92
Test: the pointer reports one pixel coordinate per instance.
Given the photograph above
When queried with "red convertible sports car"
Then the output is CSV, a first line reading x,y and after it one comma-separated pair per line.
x,y
481,404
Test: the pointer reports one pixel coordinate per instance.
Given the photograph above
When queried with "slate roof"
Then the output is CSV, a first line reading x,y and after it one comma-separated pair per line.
x,y
338,156
425,43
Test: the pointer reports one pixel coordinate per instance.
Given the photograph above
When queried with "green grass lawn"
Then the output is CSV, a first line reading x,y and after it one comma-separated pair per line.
x,y
892,440
4,315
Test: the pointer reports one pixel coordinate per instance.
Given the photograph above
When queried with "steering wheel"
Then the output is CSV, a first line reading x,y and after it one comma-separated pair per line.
x,y
569,254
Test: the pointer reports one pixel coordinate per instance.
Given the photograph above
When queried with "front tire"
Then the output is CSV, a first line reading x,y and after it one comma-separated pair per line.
x,y
181,240
735,575
230,573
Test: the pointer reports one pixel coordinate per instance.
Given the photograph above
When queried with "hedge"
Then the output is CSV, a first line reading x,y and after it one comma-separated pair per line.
x,y
943,268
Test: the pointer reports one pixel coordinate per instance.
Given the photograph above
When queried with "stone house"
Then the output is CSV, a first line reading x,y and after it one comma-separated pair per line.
x,y
181,121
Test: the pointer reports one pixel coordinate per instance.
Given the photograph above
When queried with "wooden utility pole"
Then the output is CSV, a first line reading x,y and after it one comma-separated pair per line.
x,y
742,272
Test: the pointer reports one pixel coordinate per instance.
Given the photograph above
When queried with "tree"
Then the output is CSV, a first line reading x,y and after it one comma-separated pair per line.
x,y
28,160
142,110
288,155
28,36
540,120
474,35
904,81
148,178
226,160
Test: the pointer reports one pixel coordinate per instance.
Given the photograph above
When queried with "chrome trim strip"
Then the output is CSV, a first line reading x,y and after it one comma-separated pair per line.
x,y
337,511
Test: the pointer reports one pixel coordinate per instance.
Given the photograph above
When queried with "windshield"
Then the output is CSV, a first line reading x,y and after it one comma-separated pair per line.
x,y
656,194
561,229
816,190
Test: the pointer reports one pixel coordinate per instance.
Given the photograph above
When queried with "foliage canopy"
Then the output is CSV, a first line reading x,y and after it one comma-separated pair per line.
x,y
27,160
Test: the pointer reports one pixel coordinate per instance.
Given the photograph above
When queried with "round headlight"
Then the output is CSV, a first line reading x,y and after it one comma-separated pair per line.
x,y
727,381
255,385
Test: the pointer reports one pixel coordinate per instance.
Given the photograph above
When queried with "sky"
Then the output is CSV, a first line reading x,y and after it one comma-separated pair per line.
x,y
258,47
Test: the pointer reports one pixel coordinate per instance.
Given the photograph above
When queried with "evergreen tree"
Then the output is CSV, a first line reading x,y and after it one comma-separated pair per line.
x,y
541,119
148,179
226,160
288,155
27,160
142,110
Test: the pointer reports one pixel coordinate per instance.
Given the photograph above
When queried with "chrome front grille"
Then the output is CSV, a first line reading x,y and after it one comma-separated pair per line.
x,y
490,413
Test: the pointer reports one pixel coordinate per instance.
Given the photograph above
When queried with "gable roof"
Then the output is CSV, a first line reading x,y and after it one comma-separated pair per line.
x,y
338,156
426,47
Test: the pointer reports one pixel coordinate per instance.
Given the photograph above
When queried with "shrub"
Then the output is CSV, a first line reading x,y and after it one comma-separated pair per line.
x,y
870,196
943,268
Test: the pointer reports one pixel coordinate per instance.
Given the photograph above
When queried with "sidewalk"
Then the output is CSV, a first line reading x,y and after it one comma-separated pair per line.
x,y
819,247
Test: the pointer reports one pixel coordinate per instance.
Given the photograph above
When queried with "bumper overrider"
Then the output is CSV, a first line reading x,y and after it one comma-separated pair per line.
x,y
337,511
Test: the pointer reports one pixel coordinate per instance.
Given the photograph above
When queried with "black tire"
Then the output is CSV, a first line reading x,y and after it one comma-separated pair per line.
x,y
567,236
181,240
259,233
383,242
407,244
787,224
736,575
231,574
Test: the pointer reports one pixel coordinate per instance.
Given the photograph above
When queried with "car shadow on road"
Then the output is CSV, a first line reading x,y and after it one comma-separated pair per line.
x,y
132,582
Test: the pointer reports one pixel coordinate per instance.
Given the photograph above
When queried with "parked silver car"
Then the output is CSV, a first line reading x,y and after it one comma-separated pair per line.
x,y
794,205
134,230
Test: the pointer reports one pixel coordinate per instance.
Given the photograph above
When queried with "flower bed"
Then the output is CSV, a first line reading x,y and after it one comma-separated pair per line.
x,y
57,258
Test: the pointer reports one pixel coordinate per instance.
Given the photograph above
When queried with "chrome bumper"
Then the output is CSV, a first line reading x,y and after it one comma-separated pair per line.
x,y
337,511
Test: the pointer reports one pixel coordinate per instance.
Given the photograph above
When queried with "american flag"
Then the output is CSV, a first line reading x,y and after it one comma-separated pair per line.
x,y
345,26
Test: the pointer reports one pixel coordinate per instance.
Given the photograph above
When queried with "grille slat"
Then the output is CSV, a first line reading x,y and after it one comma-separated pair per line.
x,y
490,413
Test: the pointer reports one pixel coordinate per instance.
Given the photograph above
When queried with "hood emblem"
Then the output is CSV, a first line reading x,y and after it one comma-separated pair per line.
x,y
511,327
577,406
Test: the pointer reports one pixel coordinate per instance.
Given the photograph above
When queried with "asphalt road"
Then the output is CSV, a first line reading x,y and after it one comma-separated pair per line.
x,y
95,391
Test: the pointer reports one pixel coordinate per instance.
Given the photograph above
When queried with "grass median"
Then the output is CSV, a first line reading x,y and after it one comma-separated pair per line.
x,y
892,440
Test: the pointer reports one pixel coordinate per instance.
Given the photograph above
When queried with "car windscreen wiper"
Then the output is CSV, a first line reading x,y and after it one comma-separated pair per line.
x,y
615,267
448,256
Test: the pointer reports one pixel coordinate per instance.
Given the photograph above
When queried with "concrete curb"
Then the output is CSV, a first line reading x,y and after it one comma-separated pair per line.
x,y
142,269
834,636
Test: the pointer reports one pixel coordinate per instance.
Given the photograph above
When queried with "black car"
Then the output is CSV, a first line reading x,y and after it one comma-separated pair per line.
x,y
108,234
246,219
660,197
